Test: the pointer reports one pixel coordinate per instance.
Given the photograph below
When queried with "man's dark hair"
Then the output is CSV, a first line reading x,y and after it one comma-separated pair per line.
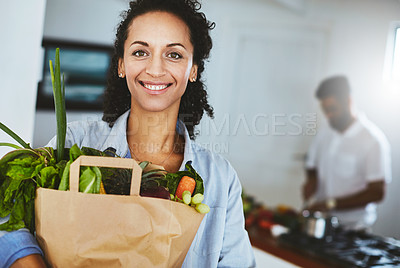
x,y
335,86
194,101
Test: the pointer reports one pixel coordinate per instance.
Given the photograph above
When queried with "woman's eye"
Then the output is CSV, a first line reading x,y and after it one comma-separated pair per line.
x,y
139,53
174,55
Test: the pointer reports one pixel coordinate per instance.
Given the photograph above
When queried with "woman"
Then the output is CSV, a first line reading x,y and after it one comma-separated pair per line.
x,y
155,78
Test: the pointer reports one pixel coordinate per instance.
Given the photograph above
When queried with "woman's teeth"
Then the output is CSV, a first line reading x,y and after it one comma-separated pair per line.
x,y
155,87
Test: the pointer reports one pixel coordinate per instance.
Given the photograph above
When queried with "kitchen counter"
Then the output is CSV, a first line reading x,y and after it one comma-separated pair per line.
x,y
263,240
345,248
266,260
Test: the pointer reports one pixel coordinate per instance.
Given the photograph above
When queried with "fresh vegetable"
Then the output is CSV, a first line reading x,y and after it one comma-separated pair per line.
x,y
202,208
257,215
102,190
64,183
25,169
15,137
157,191
197,198
181,186
90,180
186,197
185,184
59,103
117,181
173,179
21,171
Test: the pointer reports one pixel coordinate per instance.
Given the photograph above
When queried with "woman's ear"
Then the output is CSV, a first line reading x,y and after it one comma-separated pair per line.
x,y
121,68
193,73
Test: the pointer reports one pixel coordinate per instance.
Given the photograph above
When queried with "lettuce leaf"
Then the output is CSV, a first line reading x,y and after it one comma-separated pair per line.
x,y
173,179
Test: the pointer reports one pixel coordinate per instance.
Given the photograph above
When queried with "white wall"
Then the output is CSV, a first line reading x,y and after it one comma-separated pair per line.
x,y
21,28
85,21
357,49
264,65
356,46
355,36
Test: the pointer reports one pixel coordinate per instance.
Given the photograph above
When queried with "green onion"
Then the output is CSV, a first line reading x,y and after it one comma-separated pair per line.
x,y
10,145
59,103
14,136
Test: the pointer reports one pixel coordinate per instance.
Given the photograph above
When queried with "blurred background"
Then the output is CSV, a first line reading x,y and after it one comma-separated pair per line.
x,y
267,61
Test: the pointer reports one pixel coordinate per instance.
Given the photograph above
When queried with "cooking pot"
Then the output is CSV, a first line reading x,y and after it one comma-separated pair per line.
x,y
318,224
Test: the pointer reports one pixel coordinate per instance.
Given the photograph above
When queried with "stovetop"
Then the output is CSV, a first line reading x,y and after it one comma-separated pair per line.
x,y
347,248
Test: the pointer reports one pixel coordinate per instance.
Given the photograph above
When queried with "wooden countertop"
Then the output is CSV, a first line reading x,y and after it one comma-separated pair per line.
x,y
263,240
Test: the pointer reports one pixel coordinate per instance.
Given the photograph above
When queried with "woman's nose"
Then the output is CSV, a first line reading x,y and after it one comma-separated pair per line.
x,y
155,67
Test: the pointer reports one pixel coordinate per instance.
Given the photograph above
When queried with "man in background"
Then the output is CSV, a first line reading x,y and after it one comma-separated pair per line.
x,y
348,163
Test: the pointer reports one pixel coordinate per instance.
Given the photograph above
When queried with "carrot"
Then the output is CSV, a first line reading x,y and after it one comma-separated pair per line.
x,y
102,190
186,184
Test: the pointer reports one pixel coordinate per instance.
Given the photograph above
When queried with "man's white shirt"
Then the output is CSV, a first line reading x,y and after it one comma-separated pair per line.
x,y
346,162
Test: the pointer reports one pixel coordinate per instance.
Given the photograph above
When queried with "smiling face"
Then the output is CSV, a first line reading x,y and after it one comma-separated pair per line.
x,y
158,61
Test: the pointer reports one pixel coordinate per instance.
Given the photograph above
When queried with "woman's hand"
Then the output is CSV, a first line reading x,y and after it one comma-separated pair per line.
x,y
31,261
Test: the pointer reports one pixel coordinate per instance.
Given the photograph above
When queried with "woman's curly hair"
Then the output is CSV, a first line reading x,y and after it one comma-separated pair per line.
x,y
194,101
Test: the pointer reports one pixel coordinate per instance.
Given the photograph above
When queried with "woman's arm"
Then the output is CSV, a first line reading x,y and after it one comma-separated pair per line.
x,y
16,245
31,261
236,248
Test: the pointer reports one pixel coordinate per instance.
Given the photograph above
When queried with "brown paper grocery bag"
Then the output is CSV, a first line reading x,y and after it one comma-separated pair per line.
x,y
91,230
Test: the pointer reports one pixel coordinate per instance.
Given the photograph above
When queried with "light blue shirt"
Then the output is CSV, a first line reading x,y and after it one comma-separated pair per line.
x,y
221,240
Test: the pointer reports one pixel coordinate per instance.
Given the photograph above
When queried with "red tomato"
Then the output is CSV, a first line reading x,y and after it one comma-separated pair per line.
x,y
265,224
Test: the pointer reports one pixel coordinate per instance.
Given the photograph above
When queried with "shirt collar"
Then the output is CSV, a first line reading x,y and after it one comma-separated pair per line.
x,y
188,153
117,138
355,127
